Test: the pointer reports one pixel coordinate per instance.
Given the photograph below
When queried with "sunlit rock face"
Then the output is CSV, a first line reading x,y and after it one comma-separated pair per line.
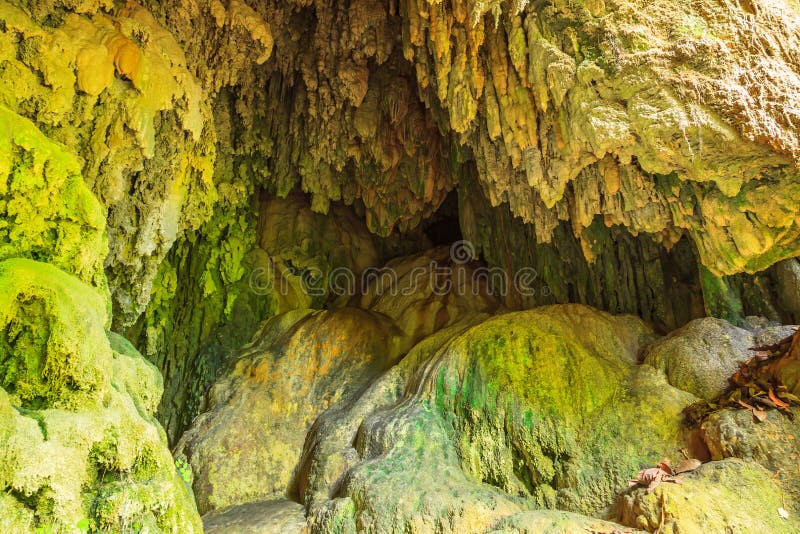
x,y
78,440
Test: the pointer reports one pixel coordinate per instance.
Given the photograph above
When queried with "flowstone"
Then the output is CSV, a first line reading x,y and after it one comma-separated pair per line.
x,y
78,440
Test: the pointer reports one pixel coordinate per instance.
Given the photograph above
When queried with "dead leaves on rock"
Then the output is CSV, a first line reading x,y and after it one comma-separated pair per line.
x,y
754,386
652,477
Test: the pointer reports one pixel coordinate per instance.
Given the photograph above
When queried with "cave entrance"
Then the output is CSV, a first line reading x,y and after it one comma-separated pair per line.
x,y
443,227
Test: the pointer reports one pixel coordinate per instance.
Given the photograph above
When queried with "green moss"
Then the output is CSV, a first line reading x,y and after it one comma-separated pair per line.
x,y
550,405
719,298
46,211
44,361
76,429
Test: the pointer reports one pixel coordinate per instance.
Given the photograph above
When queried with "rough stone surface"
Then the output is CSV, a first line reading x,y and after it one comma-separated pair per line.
x,y
115,90
773,443
787,274
490,417
701,356
78,440
725,496
549,404
246,448
570,113
268,517
553,522
302,362
640,156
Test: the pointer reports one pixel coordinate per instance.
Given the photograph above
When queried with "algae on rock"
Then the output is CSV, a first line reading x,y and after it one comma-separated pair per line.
x,y
48,213
77,434
115,90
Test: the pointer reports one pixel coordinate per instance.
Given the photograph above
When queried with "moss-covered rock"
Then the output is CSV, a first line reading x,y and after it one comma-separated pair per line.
x,y
493,416
78,440
54,347
113,87
47,212
772,443
246,447
553,522
725,496
550,404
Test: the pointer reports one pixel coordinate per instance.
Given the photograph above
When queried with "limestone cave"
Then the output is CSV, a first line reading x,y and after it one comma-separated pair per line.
x,y
399,266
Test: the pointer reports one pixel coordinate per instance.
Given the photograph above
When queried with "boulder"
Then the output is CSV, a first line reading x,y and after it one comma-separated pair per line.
x,y
491,418
725,496
267,517
700,356
246,446
773,443
79,445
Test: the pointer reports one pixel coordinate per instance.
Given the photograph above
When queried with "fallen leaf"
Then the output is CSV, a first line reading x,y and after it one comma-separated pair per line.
x,y
791,397
665,467
760,414
778,402
765,402
690,464
783,513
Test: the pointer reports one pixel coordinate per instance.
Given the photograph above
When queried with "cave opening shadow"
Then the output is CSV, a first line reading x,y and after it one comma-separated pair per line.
x,y
443,227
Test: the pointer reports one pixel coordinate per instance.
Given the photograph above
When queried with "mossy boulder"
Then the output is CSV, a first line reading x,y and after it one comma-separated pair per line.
x,y
550,404
773,443
493,417
726,496
246,446
54,350
78,440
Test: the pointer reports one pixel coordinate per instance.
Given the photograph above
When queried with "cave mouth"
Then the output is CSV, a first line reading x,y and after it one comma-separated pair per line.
x,y
444,226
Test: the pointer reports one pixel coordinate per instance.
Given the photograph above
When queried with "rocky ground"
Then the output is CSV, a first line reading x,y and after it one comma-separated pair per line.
x,y
485,424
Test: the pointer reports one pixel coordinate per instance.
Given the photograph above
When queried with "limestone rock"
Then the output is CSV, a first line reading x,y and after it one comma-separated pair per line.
x,y
269,517
116,91
788,286
47,211
246,447
553,522
77,434
490,417
772,443
725,496
550,404
701,356
303,362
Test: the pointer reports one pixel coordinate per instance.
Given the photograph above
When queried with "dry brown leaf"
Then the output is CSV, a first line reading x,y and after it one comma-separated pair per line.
x,y
690,464
760,414
665,467
778,402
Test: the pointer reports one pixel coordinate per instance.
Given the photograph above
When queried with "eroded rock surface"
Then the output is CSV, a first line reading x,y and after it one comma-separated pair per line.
x,y
701,356
78,439
725,496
